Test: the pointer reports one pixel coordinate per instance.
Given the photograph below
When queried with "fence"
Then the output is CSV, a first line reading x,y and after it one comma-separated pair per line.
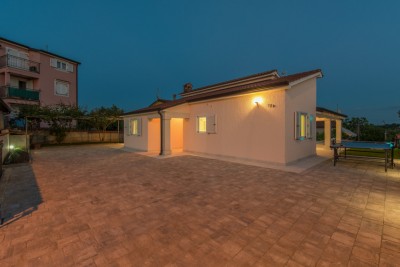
x,y
74,137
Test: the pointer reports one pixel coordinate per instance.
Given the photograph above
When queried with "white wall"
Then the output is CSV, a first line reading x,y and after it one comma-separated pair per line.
x,y
244,130
154,135
139,143
300,98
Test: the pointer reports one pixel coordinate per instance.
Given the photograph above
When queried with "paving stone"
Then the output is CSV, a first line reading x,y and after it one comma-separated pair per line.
x,y
98,205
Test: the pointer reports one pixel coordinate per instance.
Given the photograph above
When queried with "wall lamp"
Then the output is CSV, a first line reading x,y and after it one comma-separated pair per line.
x,y
257,100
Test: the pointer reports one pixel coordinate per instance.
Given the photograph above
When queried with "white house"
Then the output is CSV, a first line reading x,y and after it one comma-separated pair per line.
x,y
263,117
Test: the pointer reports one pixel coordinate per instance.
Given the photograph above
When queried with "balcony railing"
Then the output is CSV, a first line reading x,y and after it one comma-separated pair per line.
x,y
13,92
19,63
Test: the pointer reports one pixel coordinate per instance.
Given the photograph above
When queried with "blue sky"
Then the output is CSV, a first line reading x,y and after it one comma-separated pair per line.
x,y
131,49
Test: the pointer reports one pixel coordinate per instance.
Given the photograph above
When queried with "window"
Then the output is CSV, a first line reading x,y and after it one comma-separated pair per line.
x,y
135,126
17,59
206,124
202,124
21,84
303,123
61,88
61,65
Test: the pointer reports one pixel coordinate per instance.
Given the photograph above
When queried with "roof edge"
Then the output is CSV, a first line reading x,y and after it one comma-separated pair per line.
x,y
38,50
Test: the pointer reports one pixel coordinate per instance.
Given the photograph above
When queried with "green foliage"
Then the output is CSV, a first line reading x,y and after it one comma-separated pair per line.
x,y
60,118
102,118
370,132
320,136
16,155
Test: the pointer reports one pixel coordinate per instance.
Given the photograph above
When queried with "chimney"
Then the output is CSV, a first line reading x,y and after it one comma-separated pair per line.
x,y
187,87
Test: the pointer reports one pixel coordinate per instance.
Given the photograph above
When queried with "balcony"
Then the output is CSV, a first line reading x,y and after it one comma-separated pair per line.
x,y
19,63
25,94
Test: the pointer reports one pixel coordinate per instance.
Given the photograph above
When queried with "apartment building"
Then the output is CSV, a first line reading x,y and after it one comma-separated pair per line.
x,y
30,76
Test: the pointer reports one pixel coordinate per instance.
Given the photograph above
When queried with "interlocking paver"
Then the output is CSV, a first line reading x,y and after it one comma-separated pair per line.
x,y
101,206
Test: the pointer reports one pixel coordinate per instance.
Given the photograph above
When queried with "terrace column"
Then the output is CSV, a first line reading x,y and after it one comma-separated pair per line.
x,y
338,131
166,136
327,133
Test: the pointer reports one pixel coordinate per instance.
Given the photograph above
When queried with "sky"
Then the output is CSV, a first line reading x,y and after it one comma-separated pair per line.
x,y
133,51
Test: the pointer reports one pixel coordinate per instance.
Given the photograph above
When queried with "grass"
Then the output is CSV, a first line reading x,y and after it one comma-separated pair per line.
x,y
370,153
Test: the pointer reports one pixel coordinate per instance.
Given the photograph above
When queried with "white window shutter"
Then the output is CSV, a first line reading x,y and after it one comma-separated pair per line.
x,y
130,127
211,124
12,52
296,125
70,67
139,126
53,62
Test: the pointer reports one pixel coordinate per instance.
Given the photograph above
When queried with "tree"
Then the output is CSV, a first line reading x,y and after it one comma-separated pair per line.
x,y
59,118
103,117
365,130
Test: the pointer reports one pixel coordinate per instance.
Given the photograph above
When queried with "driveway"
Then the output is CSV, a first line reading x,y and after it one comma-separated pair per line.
x,y
98,205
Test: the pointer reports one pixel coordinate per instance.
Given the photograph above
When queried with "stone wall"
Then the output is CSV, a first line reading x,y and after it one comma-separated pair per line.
x,y
44,137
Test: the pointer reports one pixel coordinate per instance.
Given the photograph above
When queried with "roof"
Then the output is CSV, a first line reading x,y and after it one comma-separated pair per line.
x,y
271,74
38,50
328,111
348,132
232,90
159,101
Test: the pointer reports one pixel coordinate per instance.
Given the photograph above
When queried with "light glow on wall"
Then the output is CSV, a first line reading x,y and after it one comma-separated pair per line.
x,y
257,100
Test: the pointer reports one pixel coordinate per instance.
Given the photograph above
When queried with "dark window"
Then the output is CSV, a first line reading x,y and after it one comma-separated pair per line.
x,y
22,85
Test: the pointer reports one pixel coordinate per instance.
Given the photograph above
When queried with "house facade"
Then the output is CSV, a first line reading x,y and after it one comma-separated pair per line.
x,y
30,76
263,117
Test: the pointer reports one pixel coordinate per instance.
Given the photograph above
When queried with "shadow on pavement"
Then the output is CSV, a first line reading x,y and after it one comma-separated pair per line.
x,y
19,193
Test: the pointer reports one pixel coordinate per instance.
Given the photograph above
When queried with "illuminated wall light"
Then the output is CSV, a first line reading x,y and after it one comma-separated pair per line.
x,y
11,147
257,100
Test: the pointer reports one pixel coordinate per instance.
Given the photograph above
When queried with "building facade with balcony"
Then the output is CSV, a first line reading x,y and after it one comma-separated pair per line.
x,y
30,76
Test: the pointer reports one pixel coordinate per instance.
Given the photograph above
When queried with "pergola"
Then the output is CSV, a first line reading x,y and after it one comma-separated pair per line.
x,y
327,116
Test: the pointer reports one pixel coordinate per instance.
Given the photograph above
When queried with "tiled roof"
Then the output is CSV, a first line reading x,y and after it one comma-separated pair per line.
x,y
237,80
233,90
38,50
325,110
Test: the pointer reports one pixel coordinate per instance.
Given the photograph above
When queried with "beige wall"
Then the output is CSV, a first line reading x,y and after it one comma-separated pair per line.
x,y
154,138
244,130
177,134
139,143
300,98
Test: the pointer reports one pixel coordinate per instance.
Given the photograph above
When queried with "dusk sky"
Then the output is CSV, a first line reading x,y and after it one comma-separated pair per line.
x,y
129,50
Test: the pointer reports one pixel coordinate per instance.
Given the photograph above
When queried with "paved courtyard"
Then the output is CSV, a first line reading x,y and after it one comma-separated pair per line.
x,y
101,206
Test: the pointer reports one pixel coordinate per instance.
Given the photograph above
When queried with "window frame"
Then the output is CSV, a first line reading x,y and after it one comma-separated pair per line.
x,y
61,65
210,124
199,127
138,127
56,82
303,129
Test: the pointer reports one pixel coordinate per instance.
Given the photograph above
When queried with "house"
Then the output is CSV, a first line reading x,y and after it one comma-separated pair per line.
x,y
264,117
30,76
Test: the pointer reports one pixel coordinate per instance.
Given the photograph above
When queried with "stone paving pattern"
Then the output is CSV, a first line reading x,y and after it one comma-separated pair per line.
x,y
101,206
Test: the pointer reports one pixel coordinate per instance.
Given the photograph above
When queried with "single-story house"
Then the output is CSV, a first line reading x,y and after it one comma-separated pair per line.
x,y
263,117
